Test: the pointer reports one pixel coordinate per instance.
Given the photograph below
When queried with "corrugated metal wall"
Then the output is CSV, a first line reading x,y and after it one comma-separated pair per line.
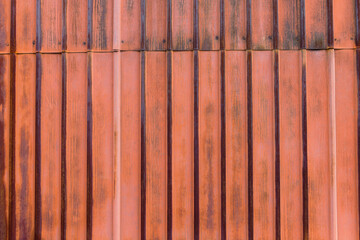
x,y
179,119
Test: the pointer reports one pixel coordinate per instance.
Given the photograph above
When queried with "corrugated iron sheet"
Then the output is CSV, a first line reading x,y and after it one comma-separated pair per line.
x,y
174,119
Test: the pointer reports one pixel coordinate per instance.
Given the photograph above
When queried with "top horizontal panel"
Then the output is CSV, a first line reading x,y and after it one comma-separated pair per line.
x,y
28,26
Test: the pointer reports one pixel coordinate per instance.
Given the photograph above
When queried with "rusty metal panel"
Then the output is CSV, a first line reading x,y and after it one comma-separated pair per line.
x,y
182,24
316,24
156,25
209,24
344,23
130,25
235,24
101,23
5,29
24,24
262,24
289,21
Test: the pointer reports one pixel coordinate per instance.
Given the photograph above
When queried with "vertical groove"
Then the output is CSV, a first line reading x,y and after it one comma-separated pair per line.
x,y
64,26
223,149
357,22
38,219
89,28
196,25
169,145
275,23
250,145
330,24
304,146
222,25
358,127
277,146
169,26
302,24
143,149
13,27
63,149
38,26
248,24
196,145
89,154
143,24
12,230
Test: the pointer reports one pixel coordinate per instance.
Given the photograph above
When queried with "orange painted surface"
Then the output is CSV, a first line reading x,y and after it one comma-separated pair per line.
x,y
24,149
102,145
209,145
130,145
5,21
209,24
25,30
156,26
316,28
102,25
263,145
236,145
182,24
289,24
346,144
182,145
76,145
262,24
156,145
291,208
235,24
130,25
344,24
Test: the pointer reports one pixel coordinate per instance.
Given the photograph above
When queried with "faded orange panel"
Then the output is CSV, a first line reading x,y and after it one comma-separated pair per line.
x,y
262,24
209,146
156,25
263,145
76,90
51,26
316,24
156,145
25,87
346,144
76,26
4,145
236,145
102,145
102,25
50,140
291,204
288,24
318,144
5,25
344,23
235,24
209,24
116,25
182,145
25,26
130,25
182,24
130,145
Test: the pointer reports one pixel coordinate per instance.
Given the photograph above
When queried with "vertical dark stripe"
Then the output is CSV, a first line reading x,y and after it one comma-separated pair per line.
x,y
13,27
275,24
223,148
358,126
277,146
38,26
222,25
304,146
330,24
357,22
248,24
196,25
250,146
64,26
143,149
89,178
143,24
196,145
63,149
12,219
89,28
302,24
169,146
38,148
169,26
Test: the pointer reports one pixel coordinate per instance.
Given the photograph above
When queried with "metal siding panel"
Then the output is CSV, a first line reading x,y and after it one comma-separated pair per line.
x,y
130,25
5,29
289,24
76,25
344,23
209,24
182,24
316,24
25,27
156,25
262,24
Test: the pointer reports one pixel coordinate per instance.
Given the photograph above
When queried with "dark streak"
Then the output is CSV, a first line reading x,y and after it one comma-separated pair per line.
x,y
222,25
358,123
357,22
143,149
277,146
250,145
248,24
63,150
302,24
64,26
196,145
169,20
223,149
169,146
143,23
196,25
38,26
12,230
101,11
330,24
13,27
90,23
275,24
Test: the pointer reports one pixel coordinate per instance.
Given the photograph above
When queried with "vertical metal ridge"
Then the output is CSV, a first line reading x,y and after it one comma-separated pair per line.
x,y
64,26
248,25
143,24
250,146
13,27
90,24
357,22
196,25
223,148
38,220
330,24
38,26
196,146
304,150
358,127
302,24
275,24
12,217
143,149
277,145
89,178
222,25
169,26
63,148
169,145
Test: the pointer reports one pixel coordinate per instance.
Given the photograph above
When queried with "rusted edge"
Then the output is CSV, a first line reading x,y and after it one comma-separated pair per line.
x,y
63,149
304,149
250,145
64,26
358,125
89,28
196,145
12,217
13,27
169,27
38,26
143,149
89,178
196,25
357,22
330,23
277,145
169,145
248,24
222,25
275,24
223,148
143,23
302,24
38,149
